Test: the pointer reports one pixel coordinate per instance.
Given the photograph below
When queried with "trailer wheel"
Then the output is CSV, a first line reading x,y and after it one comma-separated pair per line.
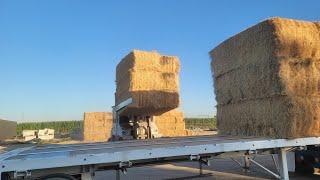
x,y
5,176
58,176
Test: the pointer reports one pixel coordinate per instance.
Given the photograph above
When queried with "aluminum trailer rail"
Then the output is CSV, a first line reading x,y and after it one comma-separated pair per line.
x,y
85,159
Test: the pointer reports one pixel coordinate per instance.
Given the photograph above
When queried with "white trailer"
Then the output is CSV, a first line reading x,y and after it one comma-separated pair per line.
x,y
45,162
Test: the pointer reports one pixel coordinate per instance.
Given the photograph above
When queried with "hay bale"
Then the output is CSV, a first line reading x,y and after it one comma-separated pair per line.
x,y
8,129
267,80
97,126
29,135
171,124
152,80
46,134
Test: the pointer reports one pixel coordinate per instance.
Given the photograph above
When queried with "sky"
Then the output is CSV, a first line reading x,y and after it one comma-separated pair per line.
x,y
58,58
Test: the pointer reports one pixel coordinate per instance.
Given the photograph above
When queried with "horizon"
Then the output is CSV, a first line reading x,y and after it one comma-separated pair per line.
x,y
58,58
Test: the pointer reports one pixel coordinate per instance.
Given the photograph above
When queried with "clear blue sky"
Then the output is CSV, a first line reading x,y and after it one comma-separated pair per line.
x,y
58,57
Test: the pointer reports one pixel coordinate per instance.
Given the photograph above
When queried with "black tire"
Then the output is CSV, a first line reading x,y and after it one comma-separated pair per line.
x,y
57,176
5,176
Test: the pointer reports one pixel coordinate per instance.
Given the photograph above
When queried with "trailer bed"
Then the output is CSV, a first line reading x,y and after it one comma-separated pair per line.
x,y
38,160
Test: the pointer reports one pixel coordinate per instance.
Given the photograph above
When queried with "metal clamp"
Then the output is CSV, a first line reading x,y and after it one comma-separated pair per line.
x,y
201,162
88,169
204,161
24,174
195,157
251,152
125,164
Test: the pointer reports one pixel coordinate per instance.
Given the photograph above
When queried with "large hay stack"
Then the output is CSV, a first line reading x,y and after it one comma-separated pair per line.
x,y
97,126
8,129
267,80
171,124
152,80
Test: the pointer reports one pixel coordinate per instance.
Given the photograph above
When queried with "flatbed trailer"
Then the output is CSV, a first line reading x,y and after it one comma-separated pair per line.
x,y
84,160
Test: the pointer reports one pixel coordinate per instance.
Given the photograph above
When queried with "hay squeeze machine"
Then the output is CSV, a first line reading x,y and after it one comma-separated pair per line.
x,y
132,127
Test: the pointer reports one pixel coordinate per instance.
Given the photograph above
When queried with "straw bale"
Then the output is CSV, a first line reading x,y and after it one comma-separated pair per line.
x,y
45,134
7,129
171,124
267,80
26,133
97,126
152,80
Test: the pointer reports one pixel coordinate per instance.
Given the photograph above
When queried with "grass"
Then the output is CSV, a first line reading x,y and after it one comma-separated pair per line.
x,y
202,123
60,127
65,127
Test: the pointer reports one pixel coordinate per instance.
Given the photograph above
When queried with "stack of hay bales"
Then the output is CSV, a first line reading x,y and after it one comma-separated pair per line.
x,y
171,124
151,80
267,80
97,126
8,129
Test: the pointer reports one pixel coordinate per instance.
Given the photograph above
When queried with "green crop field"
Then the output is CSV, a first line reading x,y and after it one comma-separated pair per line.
x,y
202,123
60,127
65,127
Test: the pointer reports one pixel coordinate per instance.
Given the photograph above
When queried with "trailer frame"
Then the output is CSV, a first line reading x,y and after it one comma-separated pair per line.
x,y
85,159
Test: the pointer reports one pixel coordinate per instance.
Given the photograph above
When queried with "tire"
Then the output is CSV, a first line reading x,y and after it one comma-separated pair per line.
x,y
5,176
58,177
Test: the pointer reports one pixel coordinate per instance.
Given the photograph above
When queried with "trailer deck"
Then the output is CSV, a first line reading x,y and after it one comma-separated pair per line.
x,y
85,159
